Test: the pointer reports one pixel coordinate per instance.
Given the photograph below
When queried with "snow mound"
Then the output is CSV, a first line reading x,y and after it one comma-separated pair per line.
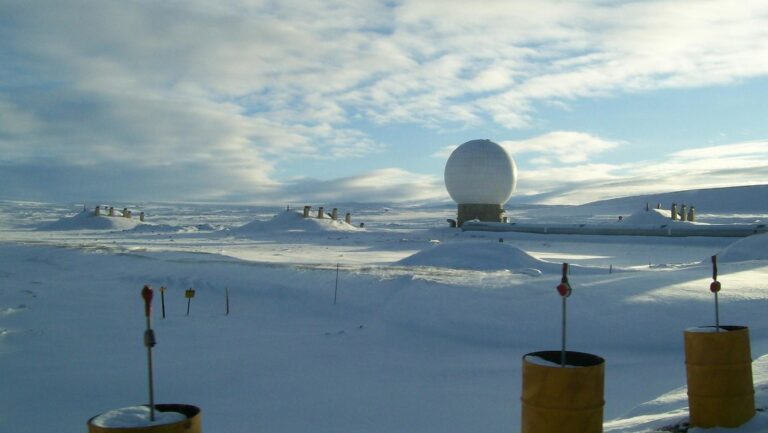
x,y
753,247
294,222
478,256
652,217
86,220
166,228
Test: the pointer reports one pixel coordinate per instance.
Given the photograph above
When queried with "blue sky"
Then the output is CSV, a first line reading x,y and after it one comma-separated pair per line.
x,y
322,101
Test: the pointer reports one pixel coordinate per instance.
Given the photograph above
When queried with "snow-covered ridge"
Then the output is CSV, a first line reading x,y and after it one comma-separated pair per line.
x,y
737,199
487,256
291,221
87,220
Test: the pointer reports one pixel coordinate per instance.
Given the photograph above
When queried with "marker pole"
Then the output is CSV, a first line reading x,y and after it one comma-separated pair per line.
x,y
162,300
149,342
336,290
226,290
715,287
717,313
562,350
564,288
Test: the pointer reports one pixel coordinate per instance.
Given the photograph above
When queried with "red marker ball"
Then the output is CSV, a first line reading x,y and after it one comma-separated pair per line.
x,y
146,293
564,289
715,287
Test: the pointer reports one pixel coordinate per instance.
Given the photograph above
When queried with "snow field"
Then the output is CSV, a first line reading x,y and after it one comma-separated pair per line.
x,y
409,347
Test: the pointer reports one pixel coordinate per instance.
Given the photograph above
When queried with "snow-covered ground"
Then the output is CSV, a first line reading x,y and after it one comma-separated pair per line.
x,y
427,333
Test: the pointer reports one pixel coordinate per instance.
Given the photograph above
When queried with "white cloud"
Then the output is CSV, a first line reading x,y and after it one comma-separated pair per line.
x,y
568,147
445,152
385,185
717,166
239,86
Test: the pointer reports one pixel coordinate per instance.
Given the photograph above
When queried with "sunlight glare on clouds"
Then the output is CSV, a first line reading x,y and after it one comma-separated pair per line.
x,y
712,167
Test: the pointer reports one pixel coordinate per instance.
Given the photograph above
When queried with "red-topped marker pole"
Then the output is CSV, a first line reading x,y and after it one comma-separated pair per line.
x,y
715,287
564,289
149,342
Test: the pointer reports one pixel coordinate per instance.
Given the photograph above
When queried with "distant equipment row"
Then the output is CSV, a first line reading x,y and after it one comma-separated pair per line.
x,y
110,211
321,214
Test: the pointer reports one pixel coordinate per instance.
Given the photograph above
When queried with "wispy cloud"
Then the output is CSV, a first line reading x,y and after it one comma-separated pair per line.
x,y
710,167
567,147
444,152
386,185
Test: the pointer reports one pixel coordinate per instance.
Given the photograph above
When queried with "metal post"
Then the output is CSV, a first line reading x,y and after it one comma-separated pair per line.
x,y
717,314
189,294
336,290
226,289
149,342
715,288
162,300
562,349
564,288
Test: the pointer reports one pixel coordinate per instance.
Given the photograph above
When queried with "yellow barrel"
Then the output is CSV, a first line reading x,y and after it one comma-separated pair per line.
x,y
719,370
189,425
560,399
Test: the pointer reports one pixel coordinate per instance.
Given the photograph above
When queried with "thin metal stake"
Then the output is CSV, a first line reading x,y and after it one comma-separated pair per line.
x,y
189,300
715,288
717,314
162,300
151,376
227,292
336,290
562,353
564,288
149,342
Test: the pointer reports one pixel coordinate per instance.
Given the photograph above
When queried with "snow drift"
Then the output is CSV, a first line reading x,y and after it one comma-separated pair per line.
x,y
753,247
652,217
168,228
86,220
294,222
482,256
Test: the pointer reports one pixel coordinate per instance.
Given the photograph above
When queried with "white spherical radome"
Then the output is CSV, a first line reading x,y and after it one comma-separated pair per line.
x,y
480,172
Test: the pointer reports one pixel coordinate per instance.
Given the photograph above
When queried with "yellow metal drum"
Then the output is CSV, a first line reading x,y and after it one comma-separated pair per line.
x,y
719,370
560,399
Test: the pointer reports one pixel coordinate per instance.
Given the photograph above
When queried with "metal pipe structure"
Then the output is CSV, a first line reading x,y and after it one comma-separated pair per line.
x,y
664,230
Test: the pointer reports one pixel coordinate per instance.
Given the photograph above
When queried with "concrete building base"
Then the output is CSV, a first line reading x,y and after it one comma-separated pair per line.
x,y
482,212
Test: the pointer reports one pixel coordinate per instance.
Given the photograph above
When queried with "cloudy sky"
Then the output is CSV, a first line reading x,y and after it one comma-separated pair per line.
x,y
357,100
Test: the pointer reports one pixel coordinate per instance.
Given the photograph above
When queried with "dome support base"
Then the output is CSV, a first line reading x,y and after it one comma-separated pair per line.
x,y
482,212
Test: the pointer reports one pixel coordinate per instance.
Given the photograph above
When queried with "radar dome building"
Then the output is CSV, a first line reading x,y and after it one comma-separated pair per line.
x,y
480,176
